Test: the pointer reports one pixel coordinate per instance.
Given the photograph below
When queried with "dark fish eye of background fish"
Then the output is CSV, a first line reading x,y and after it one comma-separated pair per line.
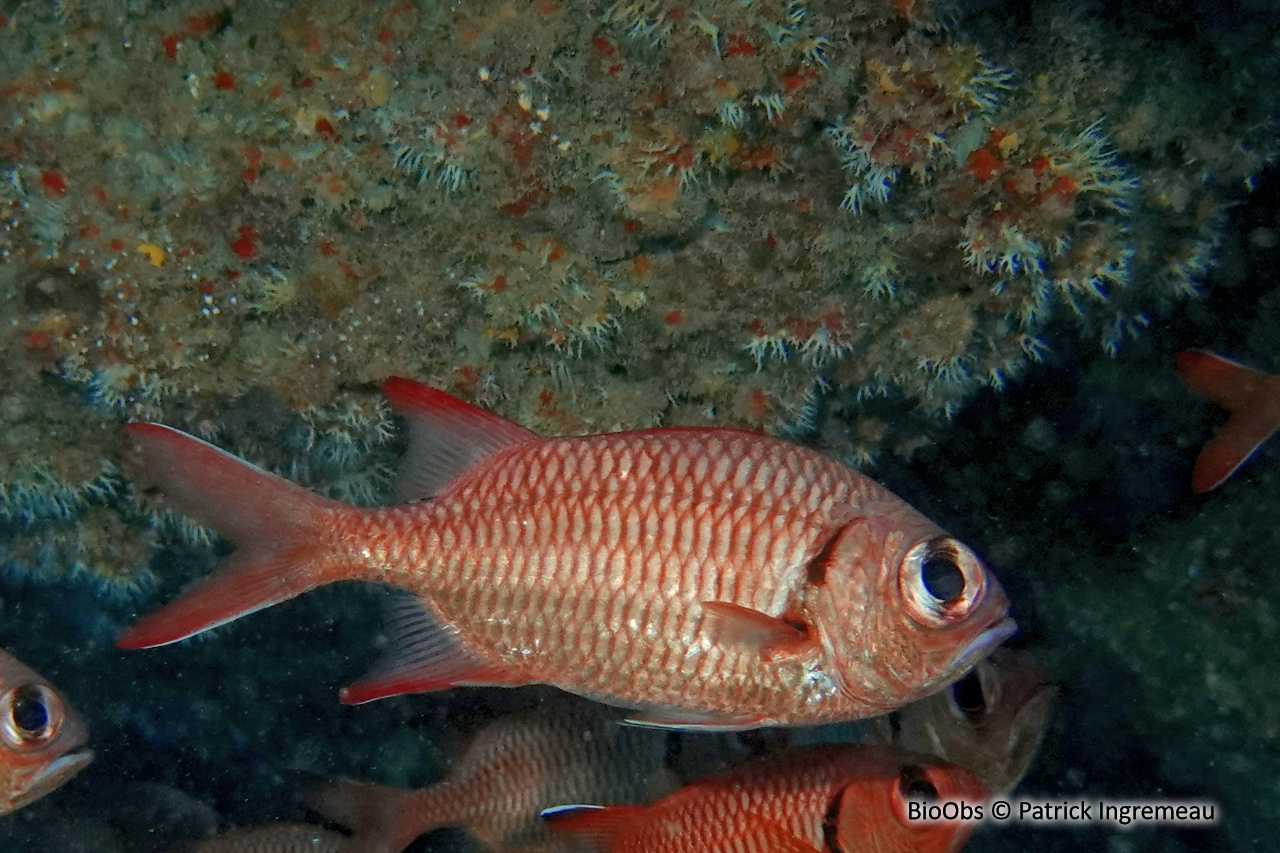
x,y
715,578
991,723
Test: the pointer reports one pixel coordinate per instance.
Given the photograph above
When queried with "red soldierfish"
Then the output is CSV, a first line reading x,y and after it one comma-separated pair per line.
x,y
40,736
569,752
1253,399
851,799
713,578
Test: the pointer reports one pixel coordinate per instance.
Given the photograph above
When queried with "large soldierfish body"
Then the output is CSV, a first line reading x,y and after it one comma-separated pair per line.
x,y
712,578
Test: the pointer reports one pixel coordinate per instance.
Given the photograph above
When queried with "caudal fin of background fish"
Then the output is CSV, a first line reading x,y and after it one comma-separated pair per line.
x,y
1251,396
276,526
382,819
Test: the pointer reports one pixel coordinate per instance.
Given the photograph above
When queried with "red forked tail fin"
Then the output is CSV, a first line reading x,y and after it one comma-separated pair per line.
x,y
1253,399
382,819
276,526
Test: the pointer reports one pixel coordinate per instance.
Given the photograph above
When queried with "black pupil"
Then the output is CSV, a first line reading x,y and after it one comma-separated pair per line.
x,y
968,695
942,577
914,785
29,712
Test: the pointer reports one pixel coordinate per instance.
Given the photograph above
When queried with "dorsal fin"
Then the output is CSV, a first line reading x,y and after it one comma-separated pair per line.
x,y
446,436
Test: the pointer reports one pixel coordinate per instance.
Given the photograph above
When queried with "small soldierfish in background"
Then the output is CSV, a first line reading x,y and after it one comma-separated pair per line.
x,y
991,722
1250,396
714,578
272,838
41,737
847,798
513,769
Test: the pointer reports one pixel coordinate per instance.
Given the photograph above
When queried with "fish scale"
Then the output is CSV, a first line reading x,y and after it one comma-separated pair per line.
x,y
709,550
713,578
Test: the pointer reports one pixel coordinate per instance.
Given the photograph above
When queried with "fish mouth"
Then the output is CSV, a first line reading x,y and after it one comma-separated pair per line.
x,y
981,646
53,775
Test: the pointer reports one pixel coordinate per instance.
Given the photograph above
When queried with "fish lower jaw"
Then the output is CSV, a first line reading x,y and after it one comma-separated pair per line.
x,y
53,776
981,646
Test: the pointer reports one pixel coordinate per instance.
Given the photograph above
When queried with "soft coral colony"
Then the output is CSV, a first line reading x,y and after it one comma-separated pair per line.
x,y
582,215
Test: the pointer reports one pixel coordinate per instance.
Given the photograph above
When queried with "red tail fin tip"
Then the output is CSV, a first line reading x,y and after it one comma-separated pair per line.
x,y
1253,399
277,527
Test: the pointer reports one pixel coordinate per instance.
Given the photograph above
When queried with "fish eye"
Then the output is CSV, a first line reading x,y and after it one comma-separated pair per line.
x,y
968,697
913,784
941,577
32,716
942,581
29,712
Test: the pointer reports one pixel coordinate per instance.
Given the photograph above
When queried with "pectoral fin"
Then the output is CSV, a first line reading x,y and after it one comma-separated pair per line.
x,y
771,637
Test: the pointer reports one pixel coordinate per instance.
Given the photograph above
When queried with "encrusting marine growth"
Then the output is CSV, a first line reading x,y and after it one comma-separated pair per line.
x,y
584,216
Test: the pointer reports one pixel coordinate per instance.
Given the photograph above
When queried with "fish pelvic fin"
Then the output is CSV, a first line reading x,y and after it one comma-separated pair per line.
x,y
278,529
446,436
1253,399
382,819
684,720
596,827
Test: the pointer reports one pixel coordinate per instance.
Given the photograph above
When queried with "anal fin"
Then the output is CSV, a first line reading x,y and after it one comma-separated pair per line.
x,y
424,657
